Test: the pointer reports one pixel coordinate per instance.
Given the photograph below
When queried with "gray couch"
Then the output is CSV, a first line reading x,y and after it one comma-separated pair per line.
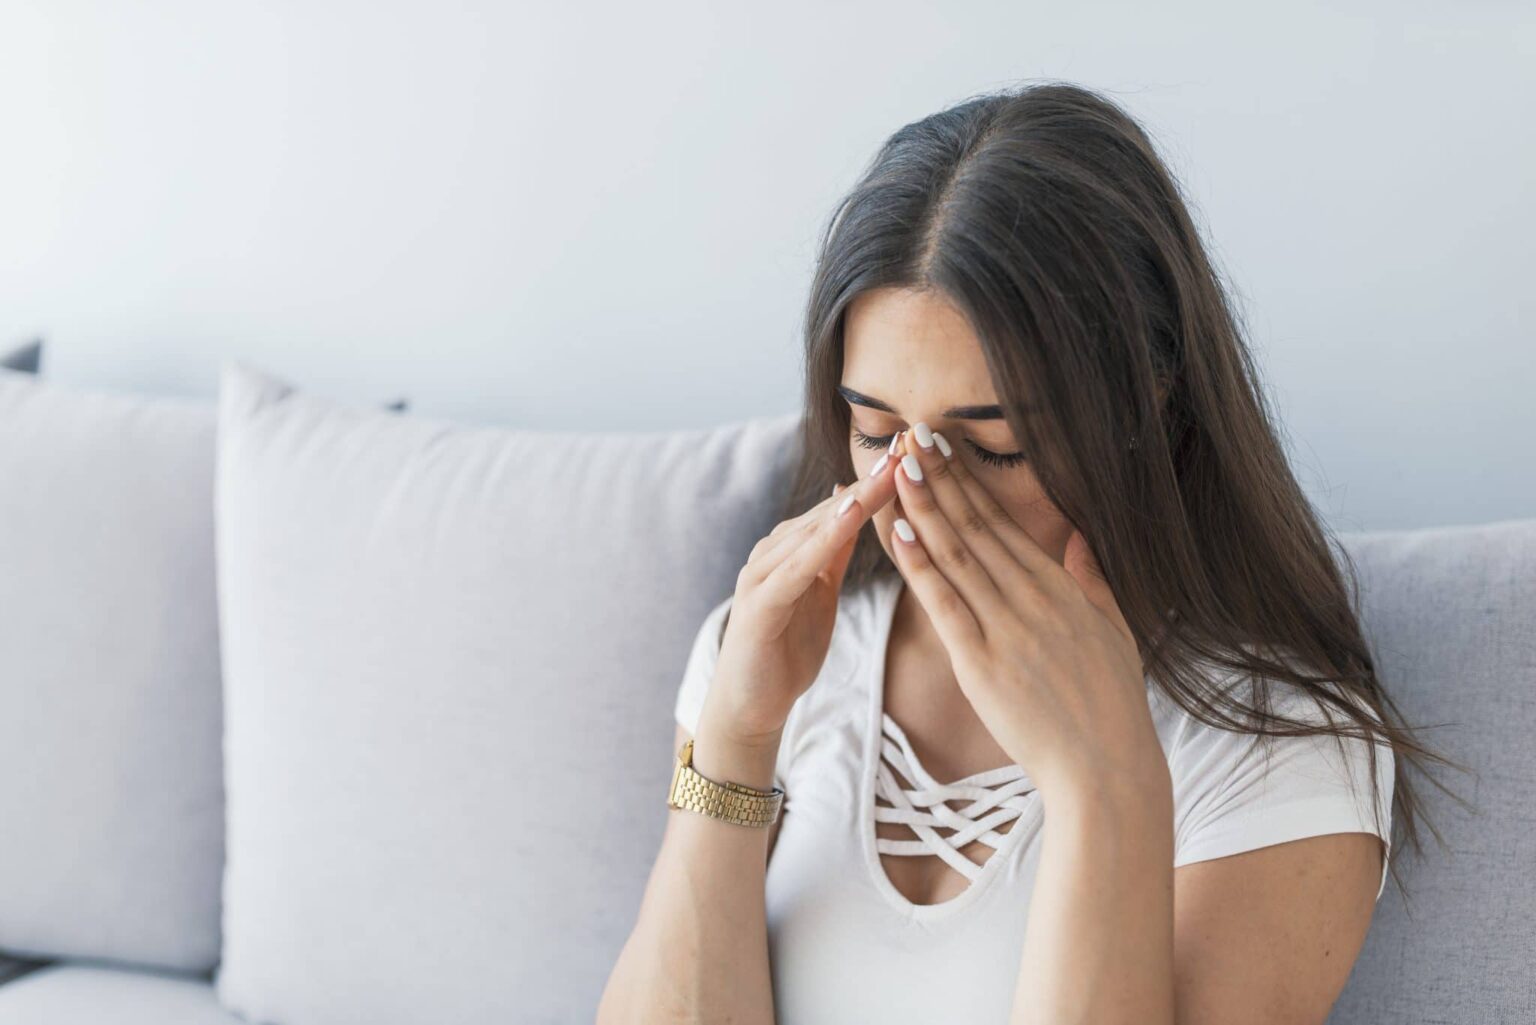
x,y
317,715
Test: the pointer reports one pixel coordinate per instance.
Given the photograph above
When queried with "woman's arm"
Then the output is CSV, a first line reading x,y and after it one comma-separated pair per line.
x,y
1115,934
699,949
1098,946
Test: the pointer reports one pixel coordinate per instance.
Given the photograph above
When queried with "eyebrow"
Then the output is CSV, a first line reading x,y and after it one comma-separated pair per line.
x,y
952,413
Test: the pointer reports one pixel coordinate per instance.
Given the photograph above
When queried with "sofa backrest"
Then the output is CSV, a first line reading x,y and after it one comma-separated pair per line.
x,y
385,575
1451,614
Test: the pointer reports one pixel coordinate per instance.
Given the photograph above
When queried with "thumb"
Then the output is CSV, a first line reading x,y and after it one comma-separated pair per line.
x,y
1079,560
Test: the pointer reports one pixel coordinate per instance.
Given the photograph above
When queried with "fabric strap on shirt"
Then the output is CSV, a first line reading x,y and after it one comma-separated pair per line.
x,y
996,796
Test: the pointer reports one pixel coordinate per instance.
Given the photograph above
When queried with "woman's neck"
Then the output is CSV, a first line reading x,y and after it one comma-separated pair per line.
x,y
913,630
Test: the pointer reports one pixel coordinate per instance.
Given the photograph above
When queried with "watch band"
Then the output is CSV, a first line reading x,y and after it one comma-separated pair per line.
x,y
732,802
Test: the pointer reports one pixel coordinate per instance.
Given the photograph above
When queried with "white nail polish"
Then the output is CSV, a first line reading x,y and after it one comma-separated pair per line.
x,y
943,444
910,464
874,471
845,505
894,439
904,529
923,435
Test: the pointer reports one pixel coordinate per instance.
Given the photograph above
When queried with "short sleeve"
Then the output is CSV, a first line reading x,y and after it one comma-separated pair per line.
x,y
1228,800
700,667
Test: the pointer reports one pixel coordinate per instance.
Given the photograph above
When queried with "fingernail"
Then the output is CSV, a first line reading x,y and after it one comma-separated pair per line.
x,y
847,504
943,445
895,439
835,489
923,434
904,530
914,471
874,471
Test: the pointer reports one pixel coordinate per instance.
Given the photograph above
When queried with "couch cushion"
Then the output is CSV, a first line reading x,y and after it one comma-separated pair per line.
x,y
449,653
112,807
79,994
1451,613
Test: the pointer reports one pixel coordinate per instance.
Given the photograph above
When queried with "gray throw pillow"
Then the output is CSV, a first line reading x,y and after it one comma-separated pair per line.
x,y
112,805
449,655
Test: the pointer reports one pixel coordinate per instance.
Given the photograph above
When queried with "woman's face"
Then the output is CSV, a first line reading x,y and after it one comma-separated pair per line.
x,y
909,357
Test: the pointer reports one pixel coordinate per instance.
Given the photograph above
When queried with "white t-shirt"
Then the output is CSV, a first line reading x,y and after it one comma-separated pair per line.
x,y
845,945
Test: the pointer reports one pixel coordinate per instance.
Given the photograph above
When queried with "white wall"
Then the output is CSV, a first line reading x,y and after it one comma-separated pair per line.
x,y
603,216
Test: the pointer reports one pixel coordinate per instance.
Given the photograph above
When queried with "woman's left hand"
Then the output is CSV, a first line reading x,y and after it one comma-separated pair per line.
x,y
1039,648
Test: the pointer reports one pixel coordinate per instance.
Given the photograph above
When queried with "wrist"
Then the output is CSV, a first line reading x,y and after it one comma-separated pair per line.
x,y
1147,790
742,723
725,757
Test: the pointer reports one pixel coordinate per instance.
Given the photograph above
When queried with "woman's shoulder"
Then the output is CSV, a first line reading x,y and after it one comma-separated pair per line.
x,y
1236,789
1245,709
1225,685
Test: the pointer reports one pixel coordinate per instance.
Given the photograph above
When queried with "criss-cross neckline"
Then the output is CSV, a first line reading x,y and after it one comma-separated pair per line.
x,y
893,771
915,798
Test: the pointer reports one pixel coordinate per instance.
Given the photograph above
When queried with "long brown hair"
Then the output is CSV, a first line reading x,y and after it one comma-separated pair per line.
x,y
1044,214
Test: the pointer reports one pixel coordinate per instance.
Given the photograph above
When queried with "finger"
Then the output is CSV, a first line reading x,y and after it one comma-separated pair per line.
x,y
942,477
1014,537
947,551
770,549
788,568
876,490
796,522
833,574
951,615
773,549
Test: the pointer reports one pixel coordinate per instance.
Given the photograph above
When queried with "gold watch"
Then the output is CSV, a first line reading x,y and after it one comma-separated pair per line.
x,y
733,802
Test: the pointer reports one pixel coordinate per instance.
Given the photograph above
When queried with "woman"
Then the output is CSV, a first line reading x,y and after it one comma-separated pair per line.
x,y
1085,730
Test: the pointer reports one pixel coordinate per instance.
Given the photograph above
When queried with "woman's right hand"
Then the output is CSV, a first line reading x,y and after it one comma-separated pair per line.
x,y
780,622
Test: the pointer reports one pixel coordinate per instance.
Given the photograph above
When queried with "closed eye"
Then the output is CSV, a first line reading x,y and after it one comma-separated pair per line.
x,y
985,455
